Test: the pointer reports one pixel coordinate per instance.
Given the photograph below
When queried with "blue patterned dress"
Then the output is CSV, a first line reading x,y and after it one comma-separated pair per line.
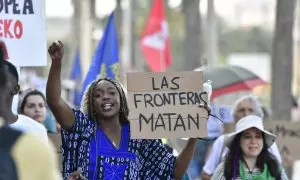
x,y
99,159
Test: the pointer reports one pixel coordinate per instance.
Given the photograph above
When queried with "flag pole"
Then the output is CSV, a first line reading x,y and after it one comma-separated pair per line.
x,y
162,69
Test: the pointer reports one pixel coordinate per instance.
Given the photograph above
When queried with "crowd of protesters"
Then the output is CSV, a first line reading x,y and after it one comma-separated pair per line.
x,y
96,140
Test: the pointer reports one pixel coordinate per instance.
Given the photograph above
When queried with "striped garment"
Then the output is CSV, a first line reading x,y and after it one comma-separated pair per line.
x,y
219,173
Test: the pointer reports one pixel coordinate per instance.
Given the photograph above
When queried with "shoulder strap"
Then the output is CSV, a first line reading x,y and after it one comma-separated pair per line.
x,y
279,175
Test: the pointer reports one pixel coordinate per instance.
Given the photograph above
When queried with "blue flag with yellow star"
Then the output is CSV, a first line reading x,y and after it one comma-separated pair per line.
x,y
105,62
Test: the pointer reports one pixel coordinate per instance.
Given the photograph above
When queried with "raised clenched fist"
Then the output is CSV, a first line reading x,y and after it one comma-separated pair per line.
x,y
56,51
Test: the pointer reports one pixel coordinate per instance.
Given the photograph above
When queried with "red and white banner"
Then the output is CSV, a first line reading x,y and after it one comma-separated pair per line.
x,y
23,32
155,41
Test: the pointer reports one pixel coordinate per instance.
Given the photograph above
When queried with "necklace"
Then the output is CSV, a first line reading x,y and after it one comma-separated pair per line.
x,y
114,143
250,171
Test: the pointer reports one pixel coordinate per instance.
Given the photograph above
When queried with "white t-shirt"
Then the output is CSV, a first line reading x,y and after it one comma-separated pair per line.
x,y
28,125
218,153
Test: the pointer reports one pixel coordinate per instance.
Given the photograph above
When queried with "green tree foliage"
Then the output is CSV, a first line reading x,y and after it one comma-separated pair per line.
x,y
253,39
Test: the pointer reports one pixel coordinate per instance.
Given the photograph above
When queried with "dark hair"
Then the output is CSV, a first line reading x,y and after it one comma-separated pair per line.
x,y
12,70
88,100
25,94
231,166
2,74
295,103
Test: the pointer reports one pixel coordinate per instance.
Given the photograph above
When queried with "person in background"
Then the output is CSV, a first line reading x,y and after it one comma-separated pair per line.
x,y
248,156
32,103
23,156
19,121
203,148
201,153
246,105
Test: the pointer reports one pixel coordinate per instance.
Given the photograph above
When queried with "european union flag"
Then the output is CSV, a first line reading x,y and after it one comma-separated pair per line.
x,y
76,75
105,62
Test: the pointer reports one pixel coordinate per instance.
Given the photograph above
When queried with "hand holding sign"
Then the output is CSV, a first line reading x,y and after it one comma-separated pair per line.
x,y
56,51
206,107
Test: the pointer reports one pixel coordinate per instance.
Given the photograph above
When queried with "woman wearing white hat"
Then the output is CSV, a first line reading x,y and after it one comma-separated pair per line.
x,y
249,158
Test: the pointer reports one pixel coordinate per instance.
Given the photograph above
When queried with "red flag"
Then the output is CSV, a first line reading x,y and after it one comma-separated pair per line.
x,y
155,41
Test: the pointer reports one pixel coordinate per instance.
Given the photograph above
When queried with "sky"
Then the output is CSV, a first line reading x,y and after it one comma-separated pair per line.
x,y
64,9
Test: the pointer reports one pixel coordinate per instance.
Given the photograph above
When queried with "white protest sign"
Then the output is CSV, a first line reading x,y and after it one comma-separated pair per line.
x,y
165,105
23,31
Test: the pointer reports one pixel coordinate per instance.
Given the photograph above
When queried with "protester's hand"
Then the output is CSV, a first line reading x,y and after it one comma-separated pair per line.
x,y
75,176
206,107
56,51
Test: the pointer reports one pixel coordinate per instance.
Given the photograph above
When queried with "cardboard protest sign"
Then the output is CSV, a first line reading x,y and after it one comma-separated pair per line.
x,y
166,105
288,136
23,31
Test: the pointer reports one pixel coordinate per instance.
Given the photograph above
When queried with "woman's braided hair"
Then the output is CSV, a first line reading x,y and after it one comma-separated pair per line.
x,y
2,59
87,103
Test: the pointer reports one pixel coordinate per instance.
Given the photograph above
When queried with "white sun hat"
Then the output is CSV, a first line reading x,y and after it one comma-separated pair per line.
x,y
248,122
